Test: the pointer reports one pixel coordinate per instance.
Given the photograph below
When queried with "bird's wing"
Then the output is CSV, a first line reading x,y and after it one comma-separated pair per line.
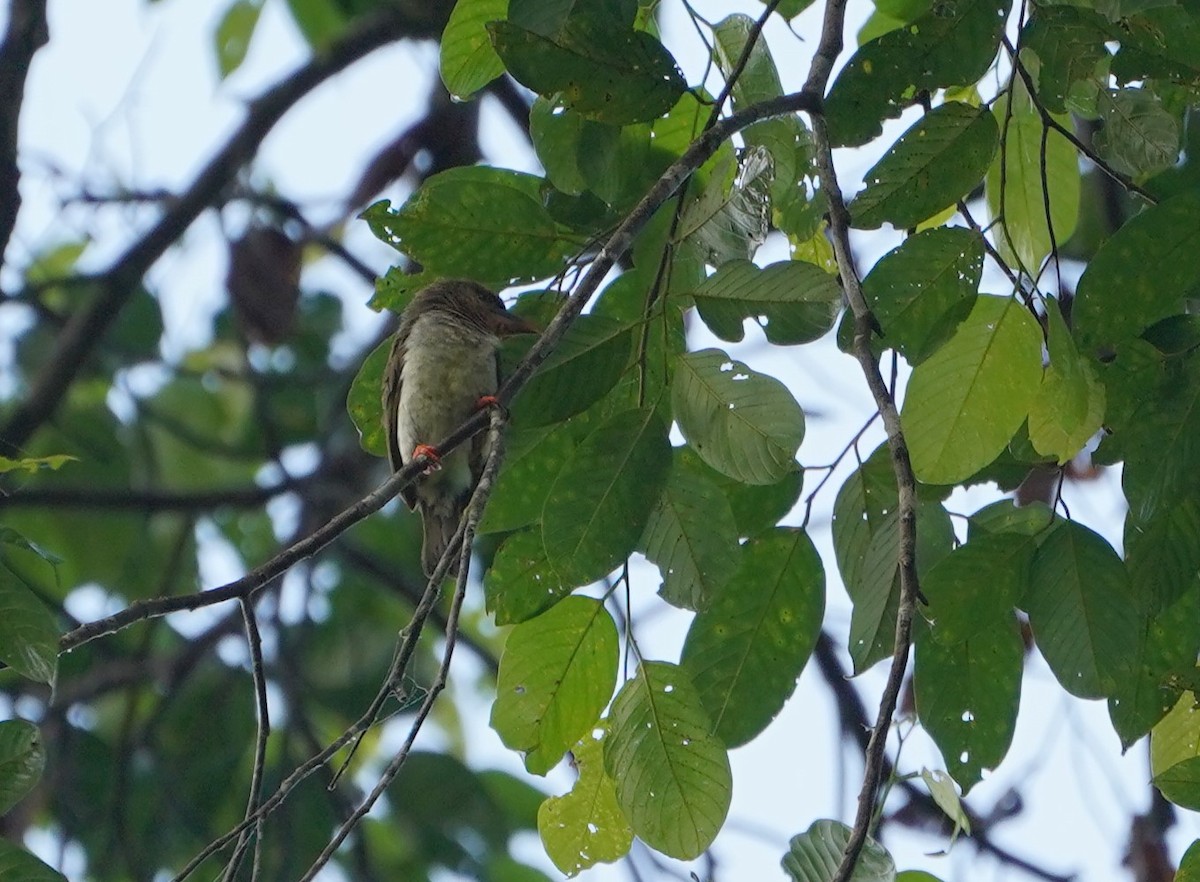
x,y
391,403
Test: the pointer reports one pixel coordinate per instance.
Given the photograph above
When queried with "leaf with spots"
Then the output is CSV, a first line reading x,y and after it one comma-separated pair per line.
x,y
745,651
556,676
742,423
967,696
521,582
673,777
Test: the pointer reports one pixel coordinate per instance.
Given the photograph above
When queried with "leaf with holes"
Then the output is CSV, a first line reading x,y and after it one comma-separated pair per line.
x,y
793,301
673,777
742,423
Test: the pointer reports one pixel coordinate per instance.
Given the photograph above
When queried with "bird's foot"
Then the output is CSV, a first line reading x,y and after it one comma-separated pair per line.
x,y
431,454
486,401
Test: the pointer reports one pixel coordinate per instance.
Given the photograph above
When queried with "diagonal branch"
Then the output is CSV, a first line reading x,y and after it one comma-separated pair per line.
x,y
115,286
839,220
27,32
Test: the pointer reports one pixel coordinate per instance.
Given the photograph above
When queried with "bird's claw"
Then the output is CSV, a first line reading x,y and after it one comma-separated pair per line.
x,y
430,453
486,401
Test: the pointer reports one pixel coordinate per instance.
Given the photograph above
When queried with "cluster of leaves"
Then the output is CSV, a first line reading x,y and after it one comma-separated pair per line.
x,y
1002,383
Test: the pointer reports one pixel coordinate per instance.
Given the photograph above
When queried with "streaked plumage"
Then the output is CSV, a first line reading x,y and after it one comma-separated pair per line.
x,y
443,360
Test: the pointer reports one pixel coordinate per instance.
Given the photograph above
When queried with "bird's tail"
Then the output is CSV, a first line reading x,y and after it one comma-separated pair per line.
x,y
440,524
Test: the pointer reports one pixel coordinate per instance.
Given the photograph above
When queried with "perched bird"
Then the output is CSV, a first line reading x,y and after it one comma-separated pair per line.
x,y
443,366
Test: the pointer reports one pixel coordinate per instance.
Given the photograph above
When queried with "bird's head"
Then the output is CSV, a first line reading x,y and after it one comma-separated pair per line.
x,y
473,304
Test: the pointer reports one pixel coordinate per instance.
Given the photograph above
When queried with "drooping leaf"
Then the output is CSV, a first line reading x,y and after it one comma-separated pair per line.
x,y
793,301
921,291
948,46
1031,183
967,695
617,76
742,423
1069,406
673,778
556,676
967,400
601,500
468,61
692,537
815,855
1140,275
729,217
585,826
482,223
1082,611
28,632
364,402
976,585
745,652
933,165
22,758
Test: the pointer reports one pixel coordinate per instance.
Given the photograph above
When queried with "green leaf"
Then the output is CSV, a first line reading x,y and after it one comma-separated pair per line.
x,y
1025,237
755,507
533,459
1005,516
584,366
318,20
556,135
232,37
952,45
976,585
1082,611
1140,275
585,827
933,165
1069,42
692,537
1068,409
1176,738
967,695
728,220
1163,553
921,291
1189,864
1181,783
759,79
22,758
601,500
551,17
1162,43
33,464
746,651
556,676
673,778
483,223
742,423
1139,137
606,73
468,61
814,856
967,400
793,301
28,632
521,582
18,865
364,401
945,794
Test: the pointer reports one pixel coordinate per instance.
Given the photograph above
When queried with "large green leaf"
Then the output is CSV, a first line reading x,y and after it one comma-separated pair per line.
x,y
692,537
1162,42
1189,864
952,44
1181,783
1083,612
1163,553
483,223
1140,275
1069,42
586,826
1069,406
967,694
1140,137
815,855
742,423
18,865
28,632
967,400
532,460
756,507
933,165
614,75
521,582
921,291
1031,184
673,777
468,61
22,758
602,498
556,676
584,366
793,301
745,652
976,585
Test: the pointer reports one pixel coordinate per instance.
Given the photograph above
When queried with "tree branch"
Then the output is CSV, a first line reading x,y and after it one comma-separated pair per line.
x,y
117,285
27,32
828,50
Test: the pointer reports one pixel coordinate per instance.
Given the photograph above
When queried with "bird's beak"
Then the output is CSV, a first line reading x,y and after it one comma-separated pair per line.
x,y
507,323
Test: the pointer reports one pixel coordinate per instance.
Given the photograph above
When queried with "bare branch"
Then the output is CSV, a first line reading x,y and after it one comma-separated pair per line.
x,y
27,32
